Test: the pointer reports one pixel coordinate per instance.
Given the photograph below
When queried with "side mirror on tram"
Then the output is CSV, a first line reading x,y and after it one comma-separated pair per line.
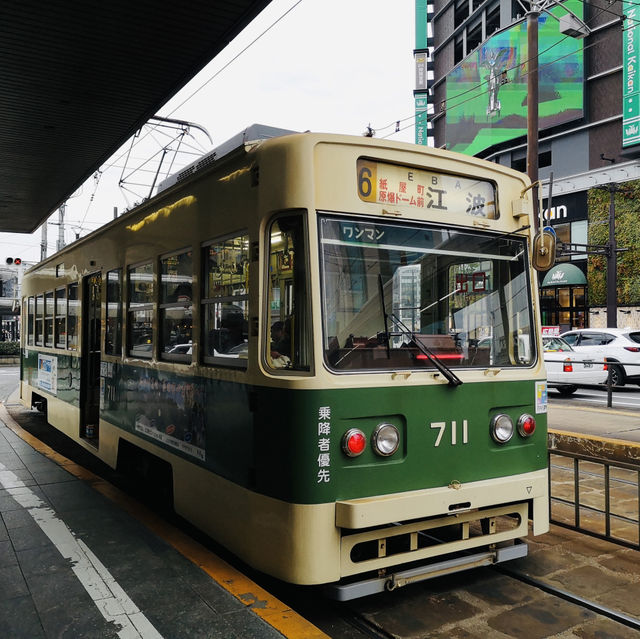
x,y
543,255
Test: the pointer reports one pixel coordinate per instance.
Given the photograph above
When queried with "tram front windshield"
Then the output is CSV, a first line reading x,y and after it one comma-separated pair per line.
x,y
395,296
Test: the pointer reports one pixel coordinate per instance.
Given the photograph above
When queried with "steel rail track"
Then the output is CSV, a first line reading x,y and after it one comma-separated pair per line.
x,y
593,606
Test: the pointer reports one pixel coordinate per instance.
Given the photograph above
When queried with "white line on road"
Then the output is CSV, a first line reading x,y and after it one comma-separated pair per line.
x,y
111,600
604,403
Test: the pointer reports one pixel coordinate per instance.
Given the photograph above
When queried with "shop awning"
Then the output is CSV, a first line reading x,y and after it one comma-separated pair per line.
x,y
564,275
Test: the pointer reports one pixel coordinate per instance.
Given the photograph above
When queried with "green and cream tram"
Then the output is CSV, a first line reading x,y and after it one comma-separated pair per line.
x,y
326,349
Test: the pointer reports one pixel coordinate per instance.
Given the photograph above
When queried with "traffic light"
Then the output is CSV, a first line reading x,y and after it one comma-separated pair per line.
x,y
14,260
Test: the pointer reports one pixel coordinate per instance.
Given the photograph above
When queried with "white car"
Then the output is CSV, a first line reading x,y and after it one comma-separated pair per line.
x,y
613,344
567,369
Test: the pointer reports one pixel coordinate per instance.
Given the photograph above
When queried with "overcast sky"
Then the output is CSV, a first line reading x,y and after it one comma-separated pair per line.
x,y
327,65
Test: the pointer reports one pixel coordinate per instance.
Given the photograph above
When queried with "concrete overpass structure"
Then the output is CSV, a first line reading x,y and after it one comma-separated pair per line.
x,y
77,79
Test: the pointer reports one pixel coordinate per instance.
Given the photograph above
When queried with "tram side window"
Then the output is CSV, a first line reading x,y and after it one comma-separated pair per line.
x,y
31,302
113,329
39,320
61,318
289,341
48,318
73,314
140,324
176,309
225,301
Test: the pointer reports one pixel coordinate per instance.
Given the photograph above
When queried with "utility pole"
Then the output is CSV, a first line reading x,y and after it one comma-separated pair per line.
x,y
61,212
532,104
569,25
612,257
43,241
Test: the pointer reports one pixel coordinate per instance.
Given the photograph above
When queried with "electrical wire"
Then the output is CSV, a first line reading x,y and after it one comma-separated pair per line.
x,y
521,64
219,71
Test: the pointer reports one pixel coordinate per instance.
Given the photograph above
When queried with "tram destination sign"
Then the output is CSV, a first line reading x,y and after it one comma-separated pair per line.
x,y
384,183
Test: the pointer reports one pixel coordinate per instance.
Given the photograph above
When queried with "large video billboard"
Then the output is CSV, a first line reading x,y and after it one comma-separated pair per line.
x,y
487,92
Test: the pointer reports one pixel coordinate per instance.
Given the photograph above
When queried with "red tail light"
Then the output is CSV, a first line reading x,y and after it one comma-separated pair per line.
x,y
354,442
526,425
567,366
632,349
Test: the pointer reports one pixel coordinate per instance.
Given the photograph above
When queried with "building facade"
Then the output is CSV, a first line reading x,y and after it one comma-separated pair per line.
x,y
589,123
10,283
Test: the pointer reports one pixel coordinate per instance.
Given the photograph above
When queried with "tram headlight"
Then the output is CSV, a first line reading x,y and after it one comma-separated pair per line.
x,y
526,425
501,428
385,439
354,442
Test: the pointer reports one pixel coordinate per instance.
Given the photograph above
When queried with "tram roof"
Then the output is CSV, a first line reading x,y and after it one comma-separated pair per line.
x,y
78,79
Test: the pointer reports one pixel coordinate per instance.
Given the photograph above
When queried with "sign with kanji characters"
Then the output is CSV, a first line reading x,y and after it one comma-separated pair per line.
x,y
324,445
425,190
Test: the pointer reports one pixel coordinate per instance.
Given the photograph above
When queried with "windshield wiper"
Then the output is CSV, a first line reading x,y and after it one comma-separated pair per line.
x,y
384,317
404,330
452,378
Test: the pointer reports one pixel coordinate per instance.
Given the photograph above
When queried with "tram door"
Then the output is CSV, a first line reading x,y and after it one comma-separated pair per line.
x,y
90,377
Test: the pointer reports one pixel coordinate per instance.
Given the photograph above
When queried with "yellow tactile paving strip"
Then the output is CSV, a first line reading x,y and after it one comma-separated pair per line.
x,y
262,603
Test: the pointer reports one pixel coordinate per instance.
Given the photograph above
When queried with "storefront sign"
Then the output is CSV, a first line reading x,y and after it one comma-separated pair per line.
x,y
566,208
630,78
564,274
422,125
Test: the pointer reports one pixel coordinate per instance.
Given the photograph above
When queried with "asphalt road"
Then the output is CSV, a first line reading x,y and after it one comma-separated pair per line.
x,y
586,412
9,376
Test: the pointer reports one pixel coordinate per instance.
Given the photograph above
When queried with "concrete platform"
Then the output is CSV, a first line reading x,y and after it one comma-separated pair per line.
x,y
74,563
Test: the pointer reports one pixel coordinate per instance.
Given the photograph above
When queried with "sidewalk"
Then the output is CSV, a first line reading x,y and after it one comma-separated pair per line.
x,y
80,559
610,423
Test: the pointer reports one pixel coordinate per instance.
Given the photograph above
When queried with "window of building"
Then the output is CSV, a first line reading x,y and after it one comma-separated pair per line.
x,y
548,307
474,36
563,235
225,301
73,314
61,318
288,346
460,12
579,235
176,308
458,49
544,159
141,308
113,329
493,18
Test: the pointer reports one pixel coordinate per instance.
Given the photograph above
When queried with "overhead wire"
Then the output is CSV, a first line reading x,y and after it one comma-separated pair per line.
x,y
224,67
152,127
520,64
